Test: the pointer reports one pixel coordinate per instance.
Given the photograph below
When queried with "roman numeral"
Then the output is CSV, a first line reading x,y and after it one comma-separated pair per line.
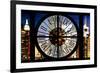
x,y
66,21
54,53
67,50
71,42
74,33
61,52
43,28
49,21
53,20
40,33
44,45
49,51
47,25
41,40
60,20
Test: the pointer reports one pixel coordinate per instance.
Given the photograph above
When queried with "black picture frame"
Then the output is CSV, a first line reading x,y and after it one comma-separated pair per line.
x,y
13,36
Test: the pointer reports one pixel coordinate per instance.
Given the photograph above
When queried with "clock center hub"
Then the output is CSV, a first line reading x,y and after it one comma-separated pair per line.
x,y
57,36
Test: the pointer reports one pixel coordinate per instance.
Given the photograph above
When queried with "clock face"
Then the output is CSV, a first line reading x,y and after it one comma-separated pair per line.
x,y
57,36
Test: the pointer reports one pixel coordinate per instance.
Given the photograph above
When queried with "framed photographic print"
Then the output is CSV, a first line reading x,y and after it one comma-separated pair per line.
x,y
52,36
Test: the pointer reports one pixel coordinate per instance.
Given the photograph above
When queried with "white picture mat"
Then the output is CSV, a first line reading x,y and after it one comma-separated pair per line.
x,y
20,65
